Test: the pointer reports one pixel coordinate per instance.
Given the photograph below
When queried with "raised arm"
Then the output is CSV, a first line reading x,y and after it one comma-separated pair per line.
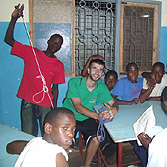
x,y
84,72
9,39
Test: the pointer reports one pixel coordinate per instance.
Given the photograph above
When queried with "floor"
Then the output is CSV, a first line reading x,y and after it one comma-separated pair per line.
x,y
129,157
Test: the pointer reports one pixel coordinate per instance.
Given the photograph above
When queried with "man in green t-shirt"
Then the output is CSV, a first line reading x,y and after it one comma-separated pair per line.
x,y
82,94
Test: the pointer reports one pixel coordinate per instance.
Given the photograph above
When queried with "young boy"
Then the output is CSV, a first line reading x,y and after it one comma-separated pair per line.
x,y
128,88
159,81
49,150
110,79
157,154
39,86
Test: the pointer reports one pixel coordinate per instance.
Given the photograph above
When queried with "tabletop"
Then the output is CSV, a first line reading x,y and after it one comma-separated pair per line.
x,y
121,128
8,135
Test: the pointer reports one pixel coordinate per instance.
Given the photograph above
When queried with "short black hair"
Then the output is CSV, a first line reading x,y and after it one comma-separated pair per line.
x,y
129,64
111,72
57,36
53,115
160,64
164,94
98,61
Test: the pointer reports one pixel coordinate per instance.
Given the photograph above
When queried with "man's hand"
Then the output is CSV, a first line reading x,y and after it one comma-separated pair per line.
x,y
144,139
109,114
17,13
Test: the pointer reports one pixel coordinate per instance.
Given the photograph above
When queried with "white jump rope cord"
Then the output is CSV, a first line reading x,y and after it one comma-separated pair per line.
x,y
45,88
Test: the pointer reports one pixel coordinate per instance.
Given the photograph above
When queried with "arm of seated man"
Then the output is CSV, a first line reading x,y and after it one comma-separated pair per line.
x,y
113,107
83,110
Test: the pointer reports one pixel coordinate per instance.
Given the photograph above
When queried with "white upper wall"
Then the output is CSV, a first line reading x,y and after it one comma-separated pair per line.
x,y
164,12
7,7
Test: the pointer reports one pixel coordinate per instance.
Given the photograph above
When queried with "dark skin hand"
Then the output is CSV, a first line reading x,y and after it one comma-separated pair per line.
x,y
150,79
9,39
84,72
144,139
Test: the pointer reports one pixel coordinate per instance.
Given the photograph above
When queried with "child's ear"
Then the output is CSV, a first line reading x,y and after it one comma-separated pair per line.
x,y
47,128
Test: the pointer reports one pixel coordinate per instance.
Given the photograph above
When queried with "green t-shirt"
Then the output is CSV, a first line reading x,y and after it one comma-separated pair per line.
x,y
77,89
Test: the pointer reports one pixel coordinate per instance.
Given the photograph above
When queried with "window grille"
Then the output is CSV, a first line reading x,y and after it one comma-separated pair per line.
x,y
138,35
94,32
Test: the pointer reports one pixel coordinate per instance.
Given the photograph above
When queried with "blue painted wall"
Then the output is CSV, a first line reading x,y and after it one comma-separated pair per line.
x,y
163,56
11,70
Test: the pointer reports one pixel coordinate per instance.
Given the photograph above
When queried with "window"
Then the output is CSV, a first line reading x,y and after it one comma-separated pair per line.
x,y
139,33
121,32
94,32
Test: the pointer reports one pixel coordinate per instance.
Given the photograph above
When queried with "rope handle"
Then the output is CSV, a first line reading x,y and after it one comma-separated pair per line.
x,y
45,88
101,130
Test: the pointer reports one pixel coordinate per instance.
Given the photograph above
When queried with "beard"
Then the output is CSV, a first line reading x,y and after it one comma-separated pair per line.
x,y
93,79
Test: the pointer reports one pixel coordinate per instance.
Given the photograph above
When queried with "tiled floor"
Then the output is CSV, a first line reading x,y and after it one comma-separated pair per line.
x,y
128,156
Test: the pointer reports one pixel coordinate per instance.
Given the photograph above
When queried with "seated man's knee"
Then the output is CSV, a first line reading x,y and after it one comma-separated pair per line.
x,y
95,141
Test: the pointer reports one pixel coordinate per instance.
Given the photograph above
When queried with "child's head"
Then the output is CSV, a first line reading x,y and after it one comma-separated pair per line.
x,y
110,79
59,127
132,72
164,99
55,42
158,70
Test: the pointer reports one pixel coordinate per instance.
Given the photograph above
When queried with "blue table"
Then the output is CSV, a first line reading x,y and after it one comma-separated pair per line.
x,y
121,128
9,134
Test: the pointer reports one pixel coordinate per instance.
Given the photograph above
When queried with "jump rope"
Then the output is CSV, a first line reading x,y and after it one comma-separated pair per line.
x,y
45,88
101,129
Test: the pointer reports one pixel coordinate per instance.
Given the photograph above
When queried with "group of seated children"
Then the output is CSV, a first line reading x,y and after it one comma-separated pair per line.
x,y
133,89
